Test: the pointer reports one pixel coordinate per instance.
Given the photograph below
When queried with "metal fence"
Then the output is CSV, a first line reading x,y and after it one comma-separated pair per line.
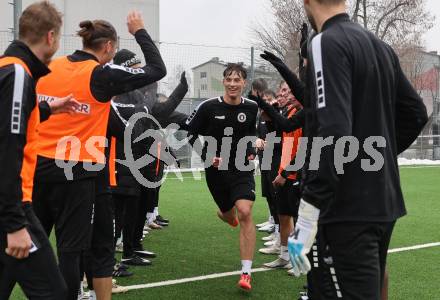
x,y
204,65
426,147
6,38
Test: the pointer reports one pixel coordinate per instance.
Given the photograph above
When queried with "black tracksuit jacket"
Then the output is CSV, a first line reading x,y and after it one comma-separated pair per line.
x,y
357,88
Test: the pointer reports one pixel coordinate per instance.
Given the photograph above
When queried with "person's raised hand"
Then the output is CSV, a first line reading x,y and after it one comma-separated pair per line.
x,y
272,58
183,78
135,22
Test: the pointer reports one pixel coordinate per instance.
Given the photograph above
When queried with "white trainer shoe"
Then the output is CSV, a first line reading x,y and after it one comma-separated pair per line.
x,y
268,228
270,243
118,289
83,295
119,248
262,224
290,272
92,295
270,237
272,250
275,248
279,263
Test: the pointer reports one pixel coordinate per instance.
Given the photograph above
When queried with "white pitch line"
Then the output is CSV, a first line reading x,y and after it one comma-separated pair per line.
x,y
190,279
226,274
419,167
417,247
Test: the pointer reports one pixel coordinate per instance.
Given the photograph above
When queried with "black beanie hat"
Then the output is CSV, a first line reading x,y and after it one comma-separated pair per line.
x,y
126,58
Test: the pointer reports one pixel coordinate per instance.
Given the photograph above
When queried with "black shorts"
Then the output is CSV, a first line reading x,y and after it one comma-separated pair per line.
x,y
67,206
38,275
348,261
228,186
102,250
287,199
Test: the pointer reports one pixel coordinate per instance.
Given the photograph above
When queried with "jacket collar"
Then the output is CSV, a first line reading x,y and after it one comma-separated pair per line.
x,y
336,19
80,55
22,51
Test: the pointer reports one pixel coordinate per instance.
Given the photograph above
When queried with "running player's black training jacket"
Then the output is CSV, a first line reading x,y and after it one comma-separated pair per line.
x,y
108,81
357,88
212,116
12,217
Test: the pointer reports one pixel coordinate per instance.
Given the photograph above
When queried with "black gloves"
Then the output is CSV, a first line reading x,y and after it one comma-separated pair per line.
x,y
291,79
304,34
260,101
273,59
183,79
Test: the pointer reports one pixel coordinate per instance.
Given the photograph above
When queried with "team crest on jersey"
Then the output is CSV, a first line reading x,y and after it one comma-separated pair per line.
x,y
241,117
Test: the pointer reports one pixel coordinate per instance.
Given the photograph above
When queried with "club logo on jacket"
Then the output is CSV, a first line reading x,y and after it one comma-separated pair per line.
x,y
241,117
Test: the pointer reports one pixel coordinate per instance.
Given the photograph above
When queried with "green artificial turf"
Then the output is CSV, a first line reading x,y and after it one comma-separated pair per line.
x,y
196,243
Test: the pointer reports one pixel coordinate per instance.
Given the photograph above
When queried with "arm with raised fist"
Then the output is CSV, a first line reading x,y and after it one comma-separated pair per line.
x,y
164,109
296,86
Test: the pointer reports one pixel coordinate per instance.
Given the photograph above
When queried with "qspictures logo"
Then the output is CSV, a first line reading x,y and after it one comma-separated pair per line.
x,y
343,151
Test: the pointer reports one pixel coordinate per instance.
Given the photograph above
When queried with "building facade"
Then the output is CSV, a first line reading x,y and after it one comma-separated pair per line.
x,y
208,78
75,11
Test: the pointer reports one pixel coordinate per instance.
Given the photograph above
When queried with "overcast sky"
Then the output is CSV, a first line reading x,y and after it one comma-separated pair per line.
x,y
228,22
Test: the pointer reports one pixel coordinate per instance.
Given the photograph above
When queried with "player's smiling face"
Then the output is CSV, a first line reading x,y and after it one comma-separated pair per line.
x,y
234,85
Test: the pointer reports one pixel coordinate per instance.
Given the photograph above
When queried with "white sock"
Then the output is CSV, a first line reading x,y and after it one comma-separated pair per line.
x,y
81,288
271,221
246,266
277,228
277,239
156,211
92,295
119,241
150,217
284,253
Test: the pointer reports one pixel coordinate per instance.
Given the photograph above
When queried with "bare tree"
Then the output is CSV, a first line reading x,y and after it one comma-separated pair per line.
x,y
401,23
398,22
412,63
282,36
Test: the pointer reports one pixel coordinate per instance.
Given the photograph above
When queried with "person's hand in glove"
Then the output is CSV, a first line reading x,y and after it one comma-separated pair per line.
x,y
183,78
257,99
273,59
295,85
304,33
302,239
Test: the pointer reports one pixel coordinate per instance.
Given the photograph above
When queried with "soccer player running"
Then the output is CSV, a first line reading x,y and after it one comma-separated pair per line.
x,y
357,88
231,117
26,256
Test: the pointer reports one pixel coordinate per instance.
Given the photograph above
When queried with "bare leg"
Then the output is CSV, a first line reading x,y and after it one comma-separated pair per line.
x,y
103,288
228,217
384,292
247,229
286,227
